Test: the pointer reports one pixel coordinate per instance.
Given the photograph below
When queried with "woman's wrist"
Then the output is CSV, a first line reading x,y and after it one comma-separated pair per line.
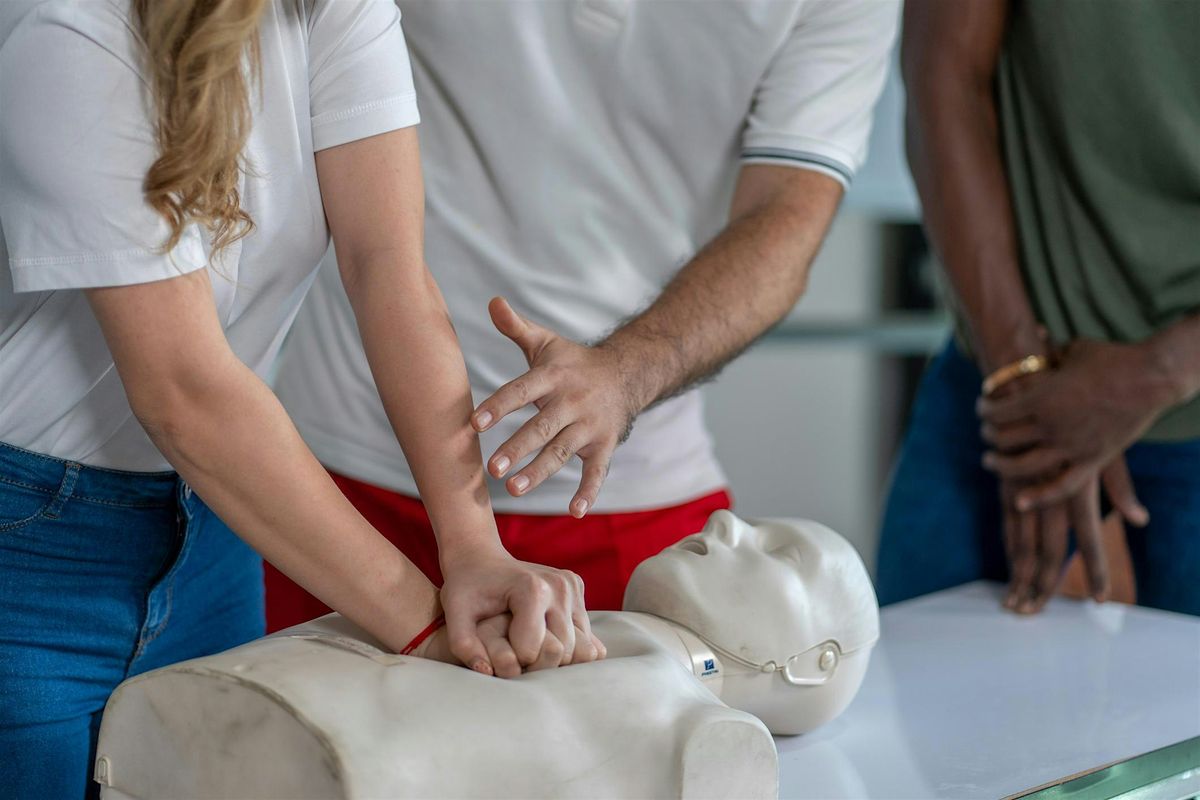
x,y
469,544
395,605
425,634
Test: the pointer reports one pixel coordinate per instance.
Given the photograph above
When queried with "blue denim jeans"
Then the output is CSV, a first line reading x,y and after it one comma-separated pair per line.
x,y
103,575
942,522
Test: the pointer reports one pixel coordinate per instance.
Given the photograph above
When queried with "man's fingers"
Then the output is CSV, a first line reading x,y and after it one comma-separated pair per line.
x,y
1052,553
512,396
1085,520
1054,491
1119,488
1006,438
1030,464
528,628
535,433
554,455
1024,561
595,470
1004,410
531,338
1011,534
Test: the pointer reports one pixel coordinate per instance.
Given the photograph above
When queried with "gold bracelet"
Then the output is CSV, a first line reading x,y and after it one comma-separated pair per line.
x,y
1010,372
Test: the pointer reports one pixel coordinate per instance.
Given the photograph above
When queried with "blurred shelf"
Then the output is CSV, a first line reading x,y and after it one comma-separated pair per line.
x,y
915,334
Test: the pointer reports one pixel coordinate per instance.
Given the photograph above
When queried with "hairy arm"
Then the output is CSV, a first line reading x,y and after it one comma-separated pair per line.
x,y
735,288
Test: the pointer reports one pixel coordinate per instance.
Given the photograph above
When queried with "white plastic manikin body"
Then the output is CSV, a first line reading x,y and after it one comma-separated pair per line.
x,y
321,711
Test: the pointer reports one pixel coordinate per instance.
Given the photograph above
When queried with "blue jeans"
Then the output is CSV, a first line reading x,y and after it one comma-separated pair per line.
x,y
103,575
942,522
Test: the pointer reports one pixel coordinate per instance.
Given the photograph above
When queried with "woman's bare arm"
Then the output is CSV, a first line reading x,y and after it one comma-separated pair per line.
x,y
230,439
373,199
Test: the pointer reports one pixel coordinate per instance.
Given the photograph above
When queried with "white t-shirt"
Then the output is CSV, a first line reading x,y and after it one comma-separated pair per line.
x,y
75,144
576,155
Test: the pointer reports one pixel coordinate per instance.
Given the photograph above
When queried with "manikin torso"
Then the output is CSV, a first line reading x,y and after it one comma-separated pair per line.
x,y
320,710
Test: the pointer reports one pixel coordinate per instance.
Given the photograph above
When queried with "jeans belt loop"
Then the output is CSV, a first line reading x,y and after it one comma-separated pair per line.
x,y
65,490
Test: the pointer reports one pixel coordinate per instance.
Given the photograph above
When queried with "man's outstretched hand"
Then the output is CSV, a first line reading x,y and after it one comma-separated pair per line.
x,y
586,402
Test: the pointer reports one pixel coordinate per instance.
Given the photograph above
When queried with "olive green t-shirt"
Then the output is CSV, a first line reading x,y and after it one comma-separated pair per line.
x,y
1099,104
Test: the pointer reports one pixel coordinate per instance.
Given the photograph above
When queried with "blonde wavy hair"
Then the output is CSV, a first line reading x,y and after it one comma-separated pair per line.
x,y
196,51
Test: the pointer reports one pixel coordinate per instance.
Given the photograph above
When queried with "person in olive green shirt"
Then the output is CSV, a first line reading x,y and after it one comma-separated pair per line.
x,y
1056,148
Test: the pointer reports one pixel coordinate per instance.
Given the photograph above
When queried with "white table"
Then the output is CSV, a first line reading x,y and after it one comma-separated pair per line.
x,y
965,700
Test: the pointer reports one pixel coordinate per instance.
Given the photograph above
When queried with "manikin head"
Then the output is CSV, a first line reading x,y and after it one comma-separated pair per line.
x,y
786,605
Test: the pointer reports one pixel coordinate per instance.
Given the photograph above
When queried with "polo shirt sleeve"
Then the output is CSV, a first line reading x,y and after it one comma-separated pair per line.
x,y
75,145
814,104
359,77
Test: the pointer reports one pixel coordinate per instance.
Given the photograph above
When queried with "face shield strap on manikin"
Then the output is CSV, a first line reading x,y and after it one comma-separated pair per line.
x,y
812,667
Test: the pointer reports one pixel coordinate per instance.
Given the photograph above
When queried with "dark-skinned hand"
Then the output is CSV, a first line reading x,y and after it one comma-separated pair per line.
x,y
1056,430
1037,521
1036,540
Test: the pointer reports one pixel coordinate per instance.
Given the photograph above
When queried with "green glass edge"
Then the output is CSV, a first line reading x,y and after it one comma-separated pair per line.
x,y
1127,776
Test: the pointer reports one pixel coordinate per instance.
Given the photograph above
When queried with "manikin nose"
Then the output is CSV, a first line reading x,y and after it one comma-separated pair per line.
x,y
727,534
694,546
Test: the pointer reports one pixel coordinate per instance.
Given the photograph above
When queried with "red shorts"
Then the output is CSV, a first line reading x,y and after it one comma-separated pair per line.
x,y
603,549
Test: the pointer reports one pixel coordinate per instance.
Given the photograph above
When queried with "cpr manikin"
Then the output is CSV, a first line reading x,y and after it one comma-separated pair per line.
x,y
733,631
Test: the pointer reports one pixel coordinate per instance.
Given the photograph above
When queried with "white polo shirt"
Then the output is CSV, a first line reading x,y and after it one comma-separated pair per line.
x,y
577,153
75,144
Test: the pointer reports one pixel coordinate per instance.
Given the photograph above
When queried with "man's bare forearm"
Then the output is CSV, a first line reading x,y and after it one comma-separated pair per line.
x,y
949,56
738,286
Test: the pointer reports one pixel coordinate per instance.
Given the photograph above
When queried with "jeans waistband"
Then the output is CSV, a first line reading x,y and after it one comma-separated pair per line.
x,y
110,486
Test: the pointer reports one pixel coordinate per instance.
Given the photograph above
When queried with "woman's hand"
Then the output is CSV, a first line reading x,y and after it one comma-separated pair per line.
x,y
493,632
549,627
502,659
585,408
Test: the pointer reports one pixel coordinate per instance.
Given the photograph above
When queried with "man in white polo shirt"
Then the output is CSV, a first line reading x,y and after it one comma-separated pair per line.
x,y
646,183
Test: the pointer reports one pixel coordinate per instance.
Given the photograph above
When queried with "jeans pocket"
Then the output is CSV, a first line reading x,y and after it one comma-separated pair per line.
x,y
21,505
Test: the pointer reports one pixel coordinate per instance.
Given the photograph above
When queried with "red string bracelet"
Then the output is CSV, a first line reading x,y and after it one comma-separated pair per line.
x,y
423,635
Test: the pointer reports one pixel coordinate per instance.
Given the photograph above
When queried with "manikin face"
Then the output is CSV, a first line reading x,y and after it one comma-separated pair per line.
x,y
763,592
787,606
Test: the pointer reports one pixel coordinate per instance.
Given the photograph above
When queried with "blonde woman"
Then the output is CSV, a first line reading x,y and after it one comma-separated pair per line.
x,y
170,175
